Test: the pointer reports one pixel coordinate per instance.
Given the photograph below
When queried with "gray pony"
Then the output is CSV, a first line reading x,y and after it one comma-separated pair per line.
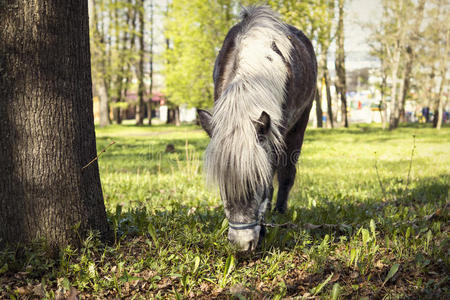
x,y
264,79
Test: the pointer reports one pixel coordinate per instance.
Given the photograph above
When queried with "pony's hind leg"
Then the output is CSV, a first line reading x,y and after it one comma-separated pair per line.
x,y
286,166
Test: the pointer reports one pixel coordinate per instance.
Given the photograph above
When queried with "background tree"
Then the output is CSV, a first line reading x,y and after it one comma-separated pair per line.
x,y
195,37
140,109
99,59
378,51
341,87
46,125
437,50
395,27
315,19
410,56
151,61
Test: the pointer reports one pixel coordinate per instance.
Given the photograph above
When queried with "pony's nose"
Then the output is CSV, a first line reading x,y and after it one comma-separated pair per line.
x,y
244,245
245,240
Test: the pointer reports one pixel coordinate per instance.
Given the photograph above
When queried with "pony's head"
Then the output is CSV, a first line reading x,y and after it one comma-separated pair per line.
x,y
238,160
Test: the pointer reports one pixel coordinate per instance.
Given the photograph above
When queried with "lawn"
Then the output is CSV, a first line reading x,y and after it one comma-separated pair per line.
x,y
369,208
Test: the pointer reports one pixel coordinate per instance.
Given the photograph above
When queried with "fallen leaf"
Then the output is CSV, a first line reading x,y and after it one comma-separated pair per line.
x,y
335,278
59,295
23,291
237,289
391,273
379,264
73,295
38,290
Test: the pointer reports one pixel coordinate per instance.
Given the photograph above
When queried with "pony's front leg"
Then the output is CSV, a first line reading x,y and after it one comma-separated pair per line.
x,y
286,169
286,178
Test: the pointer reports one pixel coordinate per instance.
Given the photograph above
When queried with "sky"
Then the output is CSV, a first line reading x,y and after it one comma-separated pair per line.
x,y
359,12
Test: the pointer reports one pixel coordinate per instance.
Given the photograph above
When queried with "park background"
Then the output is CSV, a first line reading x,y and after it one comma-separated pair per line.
x,y
381,62
370,202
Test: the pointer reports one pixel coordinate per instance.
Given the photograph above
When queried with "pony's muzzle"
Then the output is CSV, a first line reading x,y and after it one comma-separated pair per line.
x,y
245,239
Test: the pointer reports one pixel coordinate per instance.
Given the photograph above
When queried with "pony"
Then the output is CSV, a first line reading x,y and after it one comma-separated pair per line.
x,y
264,85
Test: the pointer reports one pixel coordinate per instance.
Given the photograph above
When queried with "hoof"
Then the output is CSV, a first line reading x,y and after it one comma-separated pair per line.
x,y
281,209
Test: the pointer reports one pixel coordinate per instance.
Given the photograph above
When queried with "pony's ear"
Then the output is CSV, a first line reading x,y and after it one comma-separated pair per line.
x,y
262,126
205,120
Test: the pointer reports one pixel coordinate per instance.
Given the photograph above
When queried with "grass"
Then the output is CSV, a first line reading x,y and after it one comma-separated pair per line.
x,y
365,228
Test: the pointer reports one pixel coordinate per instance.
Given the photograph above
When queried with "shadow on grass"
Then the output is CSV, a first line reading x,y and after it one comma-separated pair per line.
x,y
427,194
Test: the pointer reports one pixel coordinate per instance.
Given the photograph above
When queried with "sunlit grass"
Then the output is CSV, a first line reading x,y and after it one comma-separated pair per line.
x,y
387,233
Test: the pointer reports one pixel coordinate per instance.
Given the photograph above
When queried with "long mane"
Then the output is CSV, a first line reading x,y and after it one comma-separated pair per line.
x,y
235,159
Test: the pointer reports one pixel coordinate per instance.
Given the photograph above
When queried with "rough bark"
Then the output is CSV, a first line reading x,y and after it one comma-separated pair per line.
x,y
340,63
46,125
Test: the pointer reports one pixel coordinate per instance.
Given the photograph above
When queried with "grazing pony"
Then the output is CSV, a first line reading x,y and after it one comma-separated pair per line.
x,y
264,85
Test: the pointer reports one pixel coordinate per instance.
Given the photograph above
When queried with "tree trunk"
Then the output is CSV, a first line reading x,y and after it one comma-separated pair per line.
x,y
103,103
330,120
318,109
117,116
405,85
99,62
141,88
46,125
443,72
177,116
394,103
439,114
340,63
383,106
415,32
149,104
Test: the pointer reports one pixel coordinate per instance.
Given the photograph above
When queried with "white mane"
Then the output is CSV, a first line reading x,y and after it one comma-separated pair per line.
x,y
235,159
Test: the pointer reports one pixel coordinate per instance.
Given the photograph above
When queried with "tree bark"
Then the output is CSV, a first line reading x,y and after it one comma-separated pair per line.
x,y
340,63
46,125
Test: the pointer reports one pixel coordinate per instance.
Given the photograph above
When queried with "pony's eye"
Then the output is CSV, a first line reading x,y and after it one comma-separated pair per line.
x,y
262,138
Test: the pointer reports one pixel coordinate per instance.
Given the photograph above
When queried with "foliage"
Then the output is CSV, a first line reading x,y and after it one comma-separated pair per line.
x,y
195,37
392,238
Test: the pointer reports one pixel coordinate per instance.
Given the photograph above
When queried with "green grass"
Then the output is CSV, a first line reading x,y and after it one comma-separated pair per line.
x,y
387,235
